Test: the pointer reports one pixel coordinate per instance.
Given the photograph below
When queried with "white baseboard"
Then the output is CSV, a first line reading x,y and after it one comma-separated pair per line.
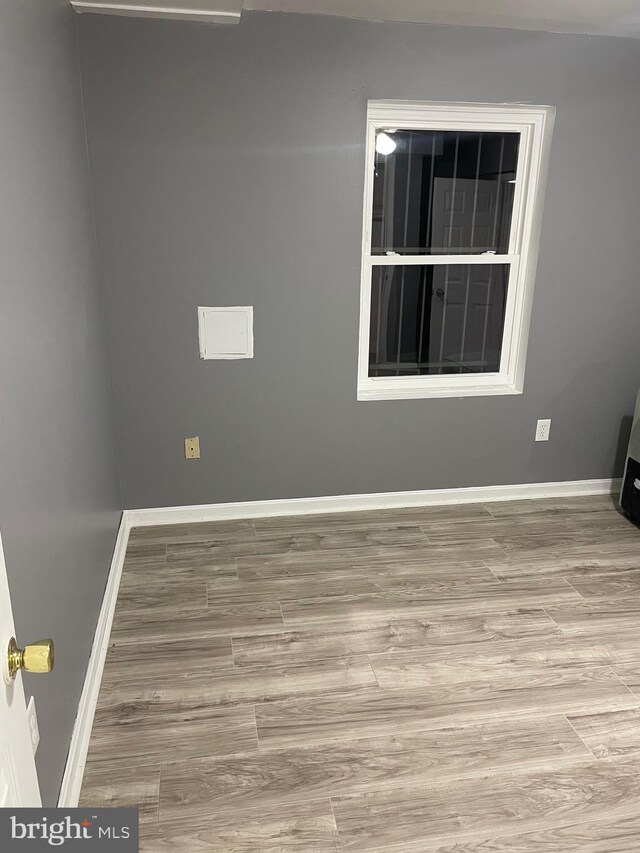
x,y
77,757
353,503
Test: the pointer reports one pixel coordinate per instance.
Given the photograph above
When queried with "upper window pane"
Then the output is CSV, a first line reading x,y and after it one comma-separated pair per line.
x,y
443,192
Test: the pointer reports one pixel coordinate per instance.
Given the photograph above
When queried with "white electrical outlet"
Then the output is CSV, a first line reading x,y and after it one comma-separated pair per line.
x,y
543,428
32,719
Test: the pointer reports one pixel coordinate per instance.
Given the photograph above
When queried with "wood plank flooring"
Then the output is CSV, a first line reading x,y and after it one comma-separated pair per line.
x,y
460,679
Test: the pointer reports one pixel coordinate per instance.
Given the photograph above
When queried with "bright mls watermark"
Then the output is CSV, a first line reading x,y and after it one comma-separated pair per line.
x,y
69,829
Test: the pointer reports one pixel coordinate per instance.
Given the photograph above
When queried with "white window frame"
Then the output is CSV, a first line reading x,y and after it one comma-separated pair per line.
x,y
535,125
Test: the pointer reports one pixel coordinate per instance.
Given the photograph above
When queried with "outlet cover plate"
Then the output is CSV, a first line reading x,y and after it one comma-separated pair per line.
x,y
543,428
192,447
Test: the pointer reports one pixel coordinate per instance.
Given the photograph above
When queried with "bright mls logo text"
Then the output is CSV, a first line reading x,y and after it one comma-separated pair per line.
x,y
56,833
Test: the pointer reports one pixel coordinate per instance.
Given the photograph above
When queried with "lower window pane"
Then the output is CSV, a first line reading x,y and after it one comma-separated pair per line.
x,y
437,319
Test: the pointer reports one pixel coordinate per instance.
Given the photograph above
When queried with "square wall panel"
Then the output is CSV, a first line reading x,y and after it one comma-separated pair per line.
x,y
226,332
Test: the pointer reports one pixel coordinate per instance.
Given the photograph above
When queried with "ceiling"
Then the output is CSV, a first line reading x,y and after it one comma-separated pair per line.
x,y
591,17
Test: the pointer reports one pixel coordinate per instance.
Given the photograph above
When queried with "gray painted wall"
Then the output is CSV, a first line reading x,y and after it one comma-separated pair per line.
x,y
59,494
227,165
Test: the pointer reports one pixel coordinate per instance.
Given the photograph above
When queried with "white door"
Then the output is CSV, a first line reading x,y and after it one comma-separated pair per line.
x,y
18,780
468,304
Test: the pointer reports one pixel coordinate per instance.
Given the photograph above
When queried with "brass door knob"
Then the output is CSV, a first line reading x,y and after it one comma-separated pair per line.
x,y
36,657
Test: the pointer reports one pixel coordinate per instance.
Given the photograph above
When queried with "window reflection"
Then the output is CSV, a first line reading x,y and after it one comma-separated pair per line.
x,y
438,319
444,192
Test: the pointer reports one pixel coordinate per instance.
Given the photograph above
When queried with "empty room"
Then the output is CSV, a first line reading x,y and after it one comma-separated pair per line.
x,y
320,429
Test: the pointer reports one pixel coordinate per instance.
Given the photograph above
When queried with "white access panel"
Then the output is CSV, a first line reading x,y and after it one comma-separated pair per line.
x,y
226,332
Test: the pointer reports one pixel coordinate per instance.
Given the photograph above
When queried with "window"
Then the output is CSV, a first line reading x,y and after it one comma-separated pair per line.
x,y
453,203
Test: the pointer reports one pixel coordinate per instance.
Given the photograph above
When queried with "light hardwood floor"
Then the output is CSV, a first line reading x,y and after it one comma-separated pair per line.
x,y
461,679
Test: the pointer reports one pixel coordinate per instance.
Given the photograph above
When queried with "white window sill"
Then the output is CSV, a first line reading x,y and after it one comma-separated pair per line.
x,y
400,390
